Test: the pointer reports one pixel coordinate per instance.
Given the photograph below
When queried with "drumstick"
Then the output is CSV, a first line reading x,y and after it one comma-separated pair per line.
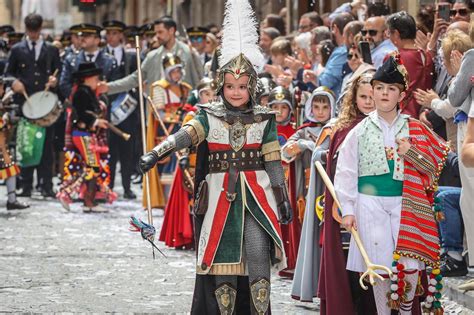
x,y
26,97
47,85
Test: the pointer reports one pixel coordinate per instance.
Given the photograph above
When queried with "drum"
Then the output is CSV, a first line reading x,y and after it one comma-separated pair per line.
x,y
29,143
122,107
42,108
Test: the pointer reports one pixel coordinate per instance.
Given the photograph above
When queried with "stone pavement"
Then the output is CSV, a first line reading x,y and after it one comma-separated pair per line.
x,y
57,261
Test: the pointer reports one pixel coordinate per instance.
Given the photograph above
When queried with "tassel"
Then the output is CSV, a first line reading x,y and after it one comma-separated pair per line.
x,y
419,287
439,216
408,288
393,304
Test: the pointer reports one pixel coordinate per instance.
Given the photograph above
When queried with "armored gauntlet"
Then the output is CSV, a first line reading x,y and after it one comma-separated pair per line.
x,y
161,151
283,203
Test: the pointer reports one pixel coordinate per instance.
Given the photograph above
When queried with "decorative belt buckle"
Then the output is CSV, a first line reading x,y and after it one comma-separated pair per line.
x,y
224,165
230,197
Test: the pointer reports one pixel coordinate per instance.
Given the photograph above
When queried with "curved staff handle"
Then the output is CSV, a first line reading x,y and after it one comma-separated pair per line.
x,y
142,120
370,272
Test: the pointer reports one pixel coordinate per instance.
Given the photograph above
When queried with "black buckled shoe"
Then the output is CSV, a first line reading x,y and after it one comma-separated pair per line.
x,y
451,267
128,194
16,205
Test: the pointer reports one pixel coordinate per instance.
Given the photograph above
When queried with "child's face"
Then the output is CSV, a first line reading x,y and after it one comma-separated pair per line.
x,y
278,59
176,74
387,96
264,101
321,111
206,96
235,90
365,98
283,111
92,82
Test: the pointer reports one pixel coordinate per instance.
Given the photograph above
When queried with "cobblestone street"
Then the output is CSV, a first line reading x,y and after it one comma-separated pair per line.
x,y
55,261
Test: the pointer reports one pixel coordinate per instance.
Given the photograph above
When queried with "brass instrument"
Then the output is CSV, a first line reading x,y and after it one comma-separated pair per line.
x,y
111,127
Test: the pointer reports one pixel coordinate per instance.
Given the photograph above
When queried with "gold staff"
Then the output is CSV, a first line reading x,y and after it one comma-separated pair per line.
x,y
370,266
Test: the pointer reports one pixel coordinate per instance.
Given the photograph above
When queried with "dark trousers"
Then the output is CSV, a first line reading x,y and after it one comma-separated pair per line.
x,y
122,151
44,169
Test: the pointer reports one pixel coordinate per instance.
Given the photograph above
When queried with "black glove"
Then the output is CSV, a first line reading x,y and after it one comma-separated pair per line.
x,y
160,152
283,204
184,162
147,161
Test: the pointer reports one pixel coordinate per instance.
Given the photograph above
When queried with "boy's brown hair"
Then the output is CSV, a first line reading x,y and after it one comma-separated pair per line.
x,y
281,47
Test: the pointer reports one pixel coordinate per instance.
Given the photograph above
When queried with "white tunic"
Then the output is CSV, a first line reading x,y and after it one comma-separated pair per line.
x,y
377,218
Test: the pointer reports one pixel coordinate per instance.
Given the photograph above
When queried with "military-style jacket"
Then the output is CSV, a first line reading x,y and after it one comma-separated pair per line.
x,y
34,74
104,61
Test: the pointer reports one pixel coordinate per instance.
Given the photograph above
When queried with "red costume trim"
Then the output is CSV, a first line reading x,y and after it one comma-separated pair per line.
x,y
218,223
259,194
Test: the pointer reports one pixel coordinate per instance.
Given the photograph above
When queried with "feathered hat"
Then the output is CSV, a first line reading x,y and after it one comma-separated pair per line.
x,y
240,53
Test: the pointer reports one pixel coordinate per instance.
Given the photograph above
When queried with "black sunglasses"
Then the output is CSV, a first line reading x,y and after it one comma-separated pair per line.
x,y
371,32
350,56
462,12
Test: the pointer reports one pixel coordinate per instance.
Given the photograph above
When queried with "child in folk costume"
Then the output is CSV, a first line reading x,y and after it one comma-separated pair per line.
x,y
169,97
338,289
8,168
386,175
312,137
177,227
87,174
246,194
280,100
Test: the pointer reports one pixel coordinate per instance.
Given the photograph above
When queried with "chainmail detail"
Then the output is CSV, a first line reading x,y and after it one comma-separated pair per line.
x,y
183,139
257,248
275,173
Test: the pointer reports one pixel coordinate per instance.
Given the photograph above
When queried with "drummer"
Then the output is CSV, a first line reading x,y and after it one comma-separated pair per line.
x,y
32,62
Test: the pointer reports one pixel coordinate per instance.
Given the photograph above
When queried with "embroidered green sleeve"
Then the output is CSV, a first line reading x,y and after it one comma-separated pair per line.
x,y
200,125
270,144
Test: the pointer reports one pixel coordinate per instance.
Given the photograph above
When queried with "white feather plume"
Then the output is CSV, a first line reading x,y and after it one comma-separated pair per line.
x,y
239,34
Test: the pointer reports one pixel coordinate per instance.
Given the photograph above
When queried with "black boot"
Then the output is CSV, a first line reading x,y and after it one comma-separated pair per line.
x,y
129,194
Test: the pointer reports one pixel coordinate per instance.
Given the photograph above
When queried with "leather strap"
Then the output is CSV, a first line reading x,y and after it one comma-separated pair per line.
x,y
234,163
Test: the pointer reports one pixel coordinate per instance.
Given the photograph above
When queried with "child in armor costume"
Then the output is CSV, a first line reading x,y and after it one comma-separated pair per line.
x,y
177,227
246,192
386,175
8,168
308,145
280,100
169,97
86,169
